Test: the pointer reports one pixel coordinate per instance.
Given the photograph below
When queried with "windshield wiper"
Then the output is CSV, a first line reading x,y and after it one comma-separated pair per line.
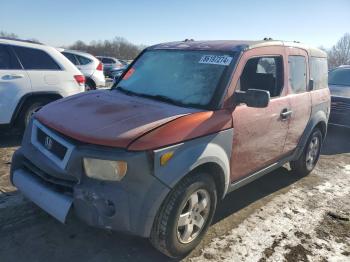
x,y
154,97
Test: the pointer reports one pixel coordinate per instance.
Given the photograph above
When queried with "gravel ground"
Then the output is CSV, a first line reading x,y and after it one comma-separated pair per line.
x,y
279,217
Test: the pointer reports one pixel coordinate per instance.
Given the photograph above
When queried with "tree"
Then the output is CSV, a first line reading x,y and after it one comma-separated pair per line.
x,y
339,54
8,35
118,47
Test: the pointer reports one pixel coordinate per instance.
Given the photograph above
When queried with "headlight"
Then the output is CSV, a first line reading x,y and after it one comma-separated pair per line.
x,y
105,169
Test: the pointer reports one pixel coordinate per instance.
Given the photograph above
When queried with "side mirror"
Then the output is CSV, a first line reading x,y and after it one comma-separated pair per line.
x,y
311,84
253,98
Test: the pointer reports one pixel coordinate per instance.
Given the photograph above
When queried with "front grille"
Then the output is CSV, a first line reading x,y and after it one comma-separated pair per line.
x,y
51,144
340,106
63,185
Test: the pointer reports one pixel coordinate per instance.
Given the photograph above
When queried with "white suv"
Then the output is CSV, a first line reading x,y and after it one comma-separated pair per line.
x,y
90,66
32,75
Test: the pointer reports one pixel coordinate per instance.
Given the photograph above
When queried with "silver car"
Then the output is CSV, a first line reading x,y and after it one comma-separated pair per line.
x,y
90,66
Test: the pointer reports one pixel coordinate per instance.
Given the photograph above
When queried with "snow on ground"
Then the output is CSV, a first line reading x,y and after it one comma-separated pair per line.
x,y
305,224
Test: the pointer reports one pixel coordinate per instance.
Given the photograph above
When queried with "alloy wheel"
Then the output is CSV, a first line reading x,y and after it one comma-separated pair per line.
x,y
193,216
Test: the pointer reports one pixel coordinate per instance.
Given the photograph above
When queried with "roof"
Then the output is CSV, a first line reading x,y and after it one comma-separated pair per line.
x,y
75,52
15,41
235,45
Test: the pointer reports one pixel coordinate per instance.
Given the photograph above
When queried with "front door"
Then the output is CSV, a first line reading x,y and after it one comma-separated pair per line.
x,y
260,133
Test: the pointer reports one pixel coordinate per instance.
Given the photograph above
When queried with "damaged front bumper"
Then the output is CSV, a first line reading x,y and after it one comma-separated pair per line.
x,y
129,205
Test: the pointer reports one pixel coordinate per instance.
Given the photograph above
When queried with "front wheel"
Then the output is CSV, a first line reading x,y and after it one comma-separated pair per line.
x,y
308,159
185,216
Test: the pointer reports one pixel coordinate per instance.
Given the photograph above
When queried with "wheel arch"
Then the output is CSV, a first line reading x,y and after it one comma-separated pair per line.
x,y
318,120
210,154
31,97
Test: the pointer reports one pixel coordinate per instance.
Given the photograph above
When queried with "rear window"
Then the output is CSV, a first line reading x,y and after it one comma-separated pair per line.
x,y
71,58
340,76
108,61
83,60
319,72
35,59
297,73
7,60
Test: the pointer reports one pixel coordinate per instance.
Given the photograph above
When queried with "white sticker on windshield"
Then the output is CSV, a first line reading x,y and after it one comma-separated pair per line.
x,y
216,60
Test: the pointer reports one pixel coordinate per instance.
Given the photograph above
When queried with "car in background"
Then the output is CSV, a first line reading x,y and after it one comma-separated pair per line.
x,y
109,64
339,85
31,76
90,66
116,73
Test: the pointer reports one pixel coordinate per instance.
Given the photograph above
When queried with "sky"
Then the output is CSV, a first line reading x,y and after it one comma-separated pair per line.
x,y
61,23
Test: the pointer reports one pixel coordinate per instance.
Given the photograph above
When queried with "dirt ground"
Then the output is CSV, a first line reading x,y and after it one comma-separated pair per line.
x,y
279,217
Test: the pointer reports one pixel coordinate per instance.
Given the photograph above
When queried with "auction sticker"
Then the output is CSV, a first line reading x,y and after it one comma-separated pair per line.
x,y
216,60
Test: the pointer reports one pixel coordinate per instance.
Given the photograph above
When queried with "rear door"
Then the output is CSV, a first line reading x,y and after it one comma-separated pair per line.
x,y
299,97
44,73
14,83
260,133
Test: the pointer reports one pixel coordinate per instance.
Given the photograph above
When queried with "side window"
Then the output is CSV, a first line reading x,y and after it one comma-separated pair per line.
x,y
35,59
83,60
108,61
7,60
319,72
297,73
71,57
264,73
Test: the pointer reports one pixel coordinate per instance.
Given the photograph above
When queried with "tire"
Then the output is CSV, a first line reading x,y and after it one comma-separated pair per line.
x,y
176,240
90,85
29,109
311,153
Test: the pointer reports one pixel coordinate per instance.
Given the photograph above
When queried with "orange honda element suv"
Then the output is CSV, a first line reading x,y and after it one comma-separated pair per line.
x,y
186,123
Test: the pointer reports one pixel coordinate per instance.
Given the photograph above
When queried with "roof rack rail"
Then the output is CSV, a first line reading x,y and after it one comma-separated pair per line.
x,y
21,40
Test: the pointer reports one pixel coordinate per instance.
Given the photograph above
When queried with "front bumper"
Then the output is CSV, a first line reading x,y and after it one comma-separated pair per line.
x,y
129,205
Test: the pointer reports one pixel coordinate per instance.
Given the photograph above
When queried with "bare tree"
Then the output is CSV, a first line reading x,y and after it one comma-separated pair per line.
x,y
118,47
339,54
8,35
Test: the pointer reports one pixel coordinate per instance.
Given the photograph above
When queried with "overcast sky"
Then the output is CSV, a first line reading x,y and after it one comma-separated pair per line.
x,y
316,22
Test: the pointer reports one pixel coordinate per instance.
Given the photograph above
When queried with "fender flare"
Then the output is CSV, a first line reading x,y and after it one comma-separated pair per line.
x,y
319,117
28,96
213,149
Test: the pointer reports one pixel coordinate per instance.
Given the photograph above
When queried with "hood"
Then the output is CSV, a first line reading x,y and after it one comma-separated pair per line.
x,y
338,90
109,118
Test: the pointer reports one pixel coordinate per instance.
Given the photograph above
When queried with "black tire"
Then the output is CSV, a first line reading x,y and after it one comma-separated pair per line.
x,y
90,85
29,109
305,164
165,235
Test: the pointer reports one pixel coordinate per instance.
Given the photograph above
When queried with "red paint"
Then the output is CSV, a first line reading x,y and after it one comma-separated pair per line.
x,y
108,118
129,73
185,128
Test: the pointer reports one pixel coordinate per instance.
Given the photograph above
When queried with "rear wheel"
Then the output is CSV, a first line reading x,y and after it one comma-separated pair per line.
x,y
90,85
185,216
308,159
28,111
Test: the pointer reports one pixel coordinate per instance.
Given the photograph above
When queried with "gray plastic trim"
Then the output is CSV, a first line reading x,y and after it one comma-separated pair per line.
x,y
34,140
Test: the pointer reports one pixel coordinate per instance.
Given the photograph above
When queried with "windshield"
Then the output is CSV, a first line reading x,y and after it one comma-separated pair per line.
x,y
340,76
187,78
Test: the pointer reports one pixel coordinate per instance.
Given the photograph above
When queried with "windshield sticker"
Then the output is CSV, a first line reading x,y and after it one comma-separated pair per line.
x,y
215,60
129,74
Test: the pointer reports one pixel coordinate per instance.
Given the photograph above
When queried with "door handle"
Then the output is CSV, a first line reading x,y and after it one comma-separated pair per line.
x,y
285,114
12,76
